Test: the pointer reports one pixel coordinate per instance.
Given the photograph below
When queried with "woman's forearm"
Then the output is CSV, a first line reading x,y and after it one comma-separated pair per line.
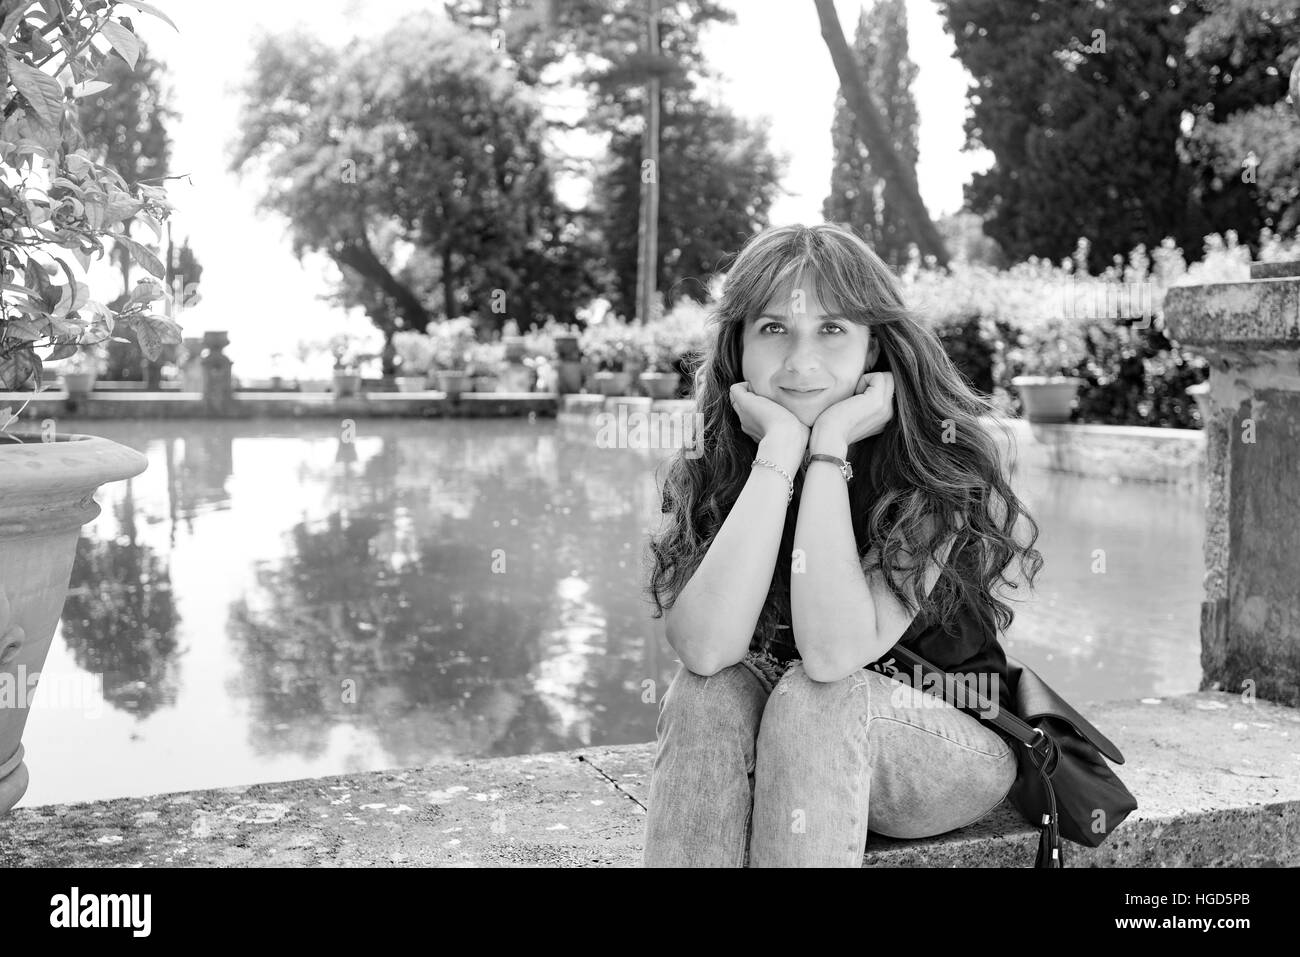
x,y
712,621
832,612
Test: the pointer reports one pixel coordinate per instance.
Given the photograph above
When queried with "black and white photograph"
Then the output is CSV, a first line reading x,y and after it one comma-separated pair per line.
x,y
640,434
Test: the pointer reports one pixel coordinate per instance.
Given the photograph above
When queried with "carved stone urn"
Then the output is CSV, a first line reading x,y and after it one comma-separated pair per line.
x,y
47,488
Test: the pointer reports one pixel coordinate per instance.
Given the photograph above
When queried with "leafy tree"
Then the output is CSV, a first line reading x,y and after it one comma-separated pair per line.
x,y
860,195
1081,106
718,179
125,127
1245,143
416,163
871,128
717,176
61,210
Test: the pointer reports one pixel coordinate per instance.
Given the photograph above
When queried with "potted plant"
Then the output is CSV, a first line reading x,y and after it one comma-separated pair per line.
x,y
1204,404
80,370
1048,352
347,361
56,214
514,345
415,355
676,340
452,340
609,346
486,361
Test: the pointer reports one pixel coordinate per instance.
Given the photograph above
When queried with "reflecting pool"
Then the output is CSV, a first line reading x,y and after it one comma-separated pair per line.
x,y
277,600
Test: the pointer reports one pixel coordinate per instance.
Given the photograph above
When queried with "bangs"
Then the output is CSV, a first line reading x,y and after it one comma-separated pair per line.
x,y
775,292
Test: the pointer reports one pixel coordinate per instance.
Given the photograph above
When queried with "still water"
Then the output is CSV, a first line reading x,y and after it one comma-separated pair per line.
x,y
271,601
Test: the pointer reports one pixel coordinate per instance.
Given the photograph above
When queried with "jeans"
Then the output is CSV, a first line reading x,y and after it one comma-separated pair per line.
x,y
747,774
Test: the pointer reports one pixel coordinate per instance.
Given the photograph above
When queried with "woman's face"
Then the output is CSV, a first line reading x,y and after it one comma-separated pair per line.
x,y
794,344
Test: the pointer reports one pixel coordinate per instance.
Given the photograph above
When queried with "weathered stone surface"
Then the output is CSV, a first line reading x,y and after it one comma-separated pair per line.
x,y
280,405
1263,313
1250,619
1217,780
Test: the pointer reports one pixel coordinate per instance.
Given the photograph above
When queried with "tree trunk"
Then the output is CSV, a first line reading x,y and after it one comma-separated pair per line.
x,y
358,255
448,300
871,130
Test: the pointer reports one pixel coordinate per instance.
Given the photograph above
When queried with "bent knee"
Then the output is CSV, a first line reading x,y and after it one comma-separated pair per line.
x,y
730,694
797,692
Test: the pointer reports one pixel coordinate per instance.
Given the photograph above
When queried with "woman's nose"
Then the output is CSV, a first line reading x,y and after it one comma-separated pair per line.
x,y
801,356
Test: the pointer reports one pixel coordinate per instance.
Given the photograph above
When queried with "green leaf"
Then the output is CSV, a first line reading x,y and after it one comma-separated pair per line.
x,y
77,163
141,254
150,8
62,351
90,88
39,278
123,41
152,332
145,291
19,368
25,329
40,89
150,342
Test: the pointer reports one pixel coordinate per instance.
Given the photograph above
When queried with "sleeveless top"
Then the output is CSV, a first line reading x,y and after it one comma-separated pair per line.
x,y
967,644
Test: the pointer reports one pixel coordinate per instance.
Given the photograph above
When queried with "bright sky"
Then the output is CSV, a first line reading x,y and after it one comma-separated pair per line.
x,y
254,288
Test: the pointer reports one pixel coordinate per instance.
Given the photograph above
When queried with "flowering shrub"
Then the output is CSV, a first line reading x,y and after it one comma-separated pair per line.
x,y
1037,318
416,351
56,214
486,358
452,340
680,333
611,345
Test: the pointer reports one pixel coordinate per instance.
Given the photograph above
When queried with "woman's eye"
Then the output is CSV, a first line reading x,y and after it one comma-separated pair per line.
x,y
827,325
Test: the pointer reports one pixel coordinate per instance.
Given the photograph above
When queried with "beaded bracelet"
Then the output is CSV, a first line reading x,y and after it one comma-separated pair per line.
x,y
784,474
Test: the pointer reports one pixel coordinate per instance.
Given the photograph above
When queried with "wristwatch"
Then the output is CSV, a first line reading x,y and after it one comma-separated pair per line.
x,y
845,468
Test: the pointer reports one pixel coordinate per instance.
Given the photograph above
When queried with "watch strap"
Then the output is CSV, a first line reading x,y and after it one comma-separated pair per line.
x,y
845,468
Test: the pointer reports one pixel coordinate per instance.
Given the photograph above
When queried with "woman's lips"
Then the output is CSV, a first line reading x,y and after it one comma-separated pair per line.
x,y
802,394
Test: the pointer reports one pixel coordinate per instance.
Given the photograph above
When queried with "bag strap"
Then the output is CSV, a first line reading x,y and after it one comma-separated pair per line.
x,y
983,709
1042,748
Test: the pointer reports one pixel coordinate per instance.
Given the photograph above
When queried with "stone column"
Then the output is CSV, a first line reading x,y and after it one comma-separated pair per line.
x,y
192,370
568,355
218,391
1250,618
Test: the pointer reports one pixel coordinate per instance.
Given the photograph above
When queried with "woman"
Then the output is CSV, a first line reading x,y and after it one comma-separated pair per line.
x,y
784,737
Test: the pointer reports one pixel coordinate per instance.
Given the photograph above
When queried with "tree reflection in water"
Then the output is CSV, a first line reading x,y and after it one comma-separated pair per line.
x,y
429,653
120,618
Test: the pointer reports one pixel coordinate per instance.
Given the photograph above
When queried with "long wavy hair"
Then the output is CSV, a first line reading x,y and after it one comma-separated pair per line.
x,y
935,462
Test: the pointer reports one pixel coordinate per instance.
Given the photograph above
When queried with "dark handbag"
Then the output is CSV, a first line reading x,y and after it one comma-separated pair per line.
x,y
1063,785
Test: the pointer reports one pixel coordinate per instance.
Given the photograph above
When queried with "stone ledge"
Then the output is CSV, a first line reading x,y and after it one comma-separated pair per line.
x,y
1217,780
251,405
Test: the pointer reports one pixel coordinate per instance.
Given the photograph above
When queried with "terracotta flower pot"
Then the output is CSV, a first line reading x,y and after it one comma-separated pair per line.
x,y
346,384
1047,399
411,383
515,348
659,385
612,383
46,494
78,383
454,382
567,347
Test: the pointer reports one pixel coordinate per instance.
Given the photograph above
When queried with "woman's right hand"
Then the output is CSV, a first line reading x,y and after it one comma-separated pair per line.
x,y
762,417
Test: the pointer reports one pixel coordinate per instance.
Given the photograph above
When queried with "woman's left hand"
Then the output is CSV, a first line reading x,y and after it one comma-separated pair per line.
x,y
861,415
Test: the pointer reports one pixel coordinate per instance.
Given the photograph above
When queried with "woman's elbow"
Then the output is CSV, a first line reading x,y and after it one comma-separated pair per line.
x,y
824,671
702,661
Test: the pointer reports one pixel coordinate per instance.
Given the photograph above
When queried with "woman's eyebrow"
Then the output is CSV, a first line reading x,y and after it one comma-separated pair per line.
x,y
825,315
